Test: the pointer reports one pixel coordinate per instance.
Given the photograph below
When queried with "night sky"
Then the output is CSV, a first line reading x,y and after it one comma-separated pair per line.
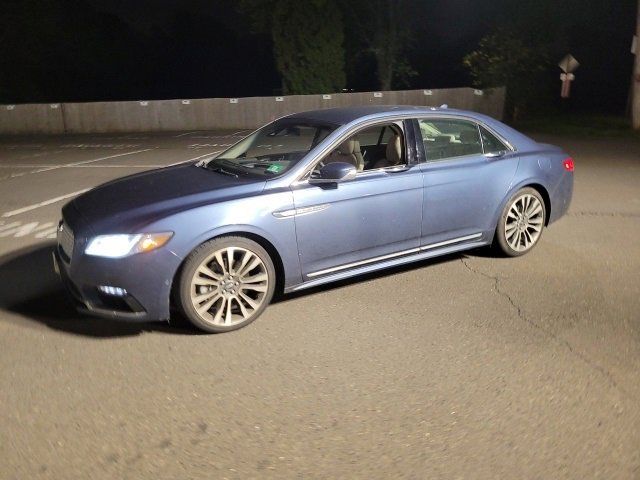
x,y
87,50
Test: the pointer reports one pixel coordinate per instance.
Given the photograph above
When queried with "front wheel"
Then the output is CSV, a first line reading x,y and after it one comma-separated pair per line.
x,y
226,283
520,225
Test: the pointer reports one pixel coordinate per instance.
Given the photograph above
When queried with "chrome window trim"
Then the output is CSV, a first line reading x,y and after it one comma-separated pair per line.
x,y
480,137
380,118
394,255
498,136
505,144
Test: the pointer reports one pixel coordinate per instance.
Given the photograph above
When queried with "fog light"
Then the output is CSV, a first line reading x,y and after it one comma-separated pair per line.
x,y
114,291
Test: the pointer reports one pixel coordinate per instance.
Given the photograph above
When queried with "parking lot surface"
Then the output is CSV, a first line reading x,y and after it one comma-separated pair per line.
x,y
468,366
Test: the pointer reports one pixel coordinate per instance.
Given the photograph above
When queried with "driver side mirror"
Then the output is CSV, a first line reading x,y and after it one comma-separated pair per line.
x,y
333,173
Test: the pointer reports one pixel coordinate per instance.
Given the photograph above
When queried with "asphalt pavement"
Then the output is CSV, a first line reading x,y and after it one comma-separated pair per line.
x,y
468,366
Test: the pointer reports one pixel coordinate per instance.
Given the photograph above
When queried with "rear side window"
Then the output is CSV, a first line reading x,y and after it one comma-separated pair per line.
x,y
443,138
491,142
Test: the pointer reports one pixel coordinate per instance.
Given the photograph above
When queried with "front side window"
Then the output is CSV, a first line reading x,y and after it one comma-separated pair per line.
x,y
449,138
372,148
272,150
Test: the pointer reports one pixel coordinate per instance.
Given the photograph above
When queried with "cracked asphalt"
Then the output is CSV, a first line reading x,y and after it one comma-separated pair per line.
x,y
468,366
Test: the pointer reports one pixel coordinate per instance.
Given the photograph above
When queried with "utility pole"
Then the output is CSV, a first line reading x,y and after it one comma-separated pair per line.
x,y
635,81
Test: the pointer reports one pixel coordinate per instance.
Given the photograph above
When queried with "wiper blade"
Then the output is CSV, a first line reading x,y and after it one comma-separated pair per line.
x,y
223,171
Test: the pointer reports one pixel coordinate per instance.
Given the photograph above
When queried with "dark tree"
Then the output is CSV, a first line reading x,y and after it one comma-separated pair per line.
x,y
308,40
385,29
66,50
505,59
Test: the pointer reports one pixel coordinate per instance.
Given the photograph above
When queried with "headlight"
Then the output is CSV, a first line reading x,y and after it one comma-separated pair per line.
x,y
118,246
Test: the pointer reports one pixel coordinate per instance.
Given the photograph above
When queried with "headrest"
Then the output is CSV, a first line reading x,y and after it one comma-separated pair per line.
x,y
394,150
348,147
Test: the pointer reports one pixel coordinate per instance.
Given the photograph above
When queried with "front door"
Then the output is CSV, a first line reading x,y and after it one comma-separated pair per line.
x,y
372,217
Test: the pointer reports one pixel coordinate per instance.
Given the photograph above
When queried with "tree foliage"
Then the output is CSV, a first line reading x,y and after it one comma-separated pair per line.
x,y
384,28
505,58
308,39
308,42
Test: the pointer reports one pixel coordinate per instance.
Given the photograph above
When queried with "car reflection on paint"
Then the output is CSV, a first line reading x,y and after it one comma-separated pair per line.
x,y
309,199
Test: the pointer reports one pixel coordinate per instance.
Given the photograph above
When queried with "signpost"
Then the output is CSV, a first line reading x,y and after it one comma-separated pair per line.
x,y
635,80
568,65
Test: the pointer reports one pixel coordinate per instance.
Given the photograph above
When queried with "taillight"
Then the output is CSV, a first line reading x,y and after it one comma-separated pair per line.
x,y
568,164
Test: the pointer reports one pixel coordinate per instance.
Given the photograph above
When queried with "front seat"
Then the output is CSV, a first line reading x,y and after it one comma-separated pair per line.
x,y
393,153
349,152
358,153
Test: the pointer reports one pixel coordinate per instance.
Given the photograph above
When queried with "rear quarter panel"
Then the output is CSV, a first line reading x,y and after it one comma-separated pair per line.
x,y
542,166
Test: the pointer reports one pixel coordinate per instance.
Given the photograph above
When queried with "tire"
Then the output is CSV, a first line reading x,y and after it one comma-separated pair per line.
x,y
216,298
521,224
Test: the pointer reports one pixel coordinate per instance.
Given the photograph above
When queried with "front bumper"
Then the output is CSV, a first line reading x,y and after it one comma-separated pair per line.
x,y
144,281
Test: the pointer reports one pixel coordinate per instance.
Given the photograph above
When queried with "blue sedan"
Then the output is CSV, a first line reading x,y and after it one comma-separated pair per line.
x,y
309,199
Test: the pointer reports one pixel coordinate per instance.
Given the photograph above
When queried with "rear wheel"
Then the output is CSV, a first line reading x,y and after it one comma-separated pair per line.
x,y
521,223
226,283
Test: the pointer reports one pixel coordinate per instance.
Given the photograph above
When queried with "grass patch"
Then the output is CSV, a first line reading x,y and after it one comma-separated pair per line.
x,y
580,125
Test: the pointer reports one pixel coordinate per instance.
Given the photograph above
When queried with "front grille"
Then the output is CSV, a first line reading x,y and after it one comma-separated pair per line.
x,y
65,240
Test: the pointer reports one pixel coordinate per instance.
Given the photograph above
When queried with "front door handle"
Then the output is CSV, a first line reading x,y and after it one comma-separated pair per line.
x,y
396,169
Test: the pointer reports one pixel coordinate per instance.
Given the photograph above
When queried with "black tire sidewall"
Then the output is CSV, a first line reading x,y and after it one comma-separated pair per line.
x,y
194,260
501,240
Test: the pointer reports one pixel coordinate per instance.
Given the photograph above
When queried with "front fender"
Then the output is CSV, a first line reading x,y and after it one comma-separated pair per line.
x,y
248,216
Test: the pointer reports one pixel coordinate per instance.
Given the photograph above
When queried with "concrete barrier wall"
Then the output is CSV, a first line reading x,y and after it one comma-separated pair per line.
x,y
221,113
32,118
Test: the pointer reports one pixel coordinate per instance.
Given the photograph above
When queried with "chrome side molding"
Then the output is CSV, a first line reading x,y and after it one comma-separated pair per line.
x,y
411,251
301,211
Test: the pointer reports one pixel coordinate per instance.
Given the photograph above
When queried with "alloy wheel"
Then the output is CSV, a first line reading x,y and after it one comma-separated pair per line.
x,y
229,286
524,222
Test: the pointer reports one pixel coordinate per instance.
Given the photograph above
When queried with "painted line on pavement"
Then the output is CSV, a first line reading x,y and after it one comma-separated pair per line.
x,y
83,166
43,204
118,166
194,158
55,167
73,194
36,229
94,160
5,165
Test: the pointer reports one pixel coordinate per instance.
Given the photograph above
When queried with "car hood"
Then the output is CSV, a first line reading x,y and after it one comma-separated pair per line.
x,y
129,203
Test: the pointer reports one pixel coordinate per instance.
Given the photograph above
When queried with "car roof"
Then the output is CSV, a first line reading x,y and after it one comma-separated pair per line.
x,y
344,115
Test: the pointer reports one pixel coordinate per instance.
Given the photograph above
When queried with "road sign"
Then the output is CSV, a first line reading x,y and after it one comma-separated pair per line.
x,y
569,64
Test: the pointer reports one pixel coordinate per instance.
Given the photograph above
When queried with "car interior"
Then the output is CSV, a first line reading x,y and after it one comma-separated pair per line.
x,y
449,138
373,148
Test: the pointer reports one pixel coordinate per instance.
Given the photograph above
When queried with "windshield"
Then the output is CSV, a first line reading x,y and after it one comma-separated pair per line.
x,y
272,150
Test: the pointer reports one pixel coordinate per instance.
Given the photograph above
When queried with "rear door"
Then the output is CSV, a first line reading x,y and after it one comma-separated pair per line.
x,y
466,172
